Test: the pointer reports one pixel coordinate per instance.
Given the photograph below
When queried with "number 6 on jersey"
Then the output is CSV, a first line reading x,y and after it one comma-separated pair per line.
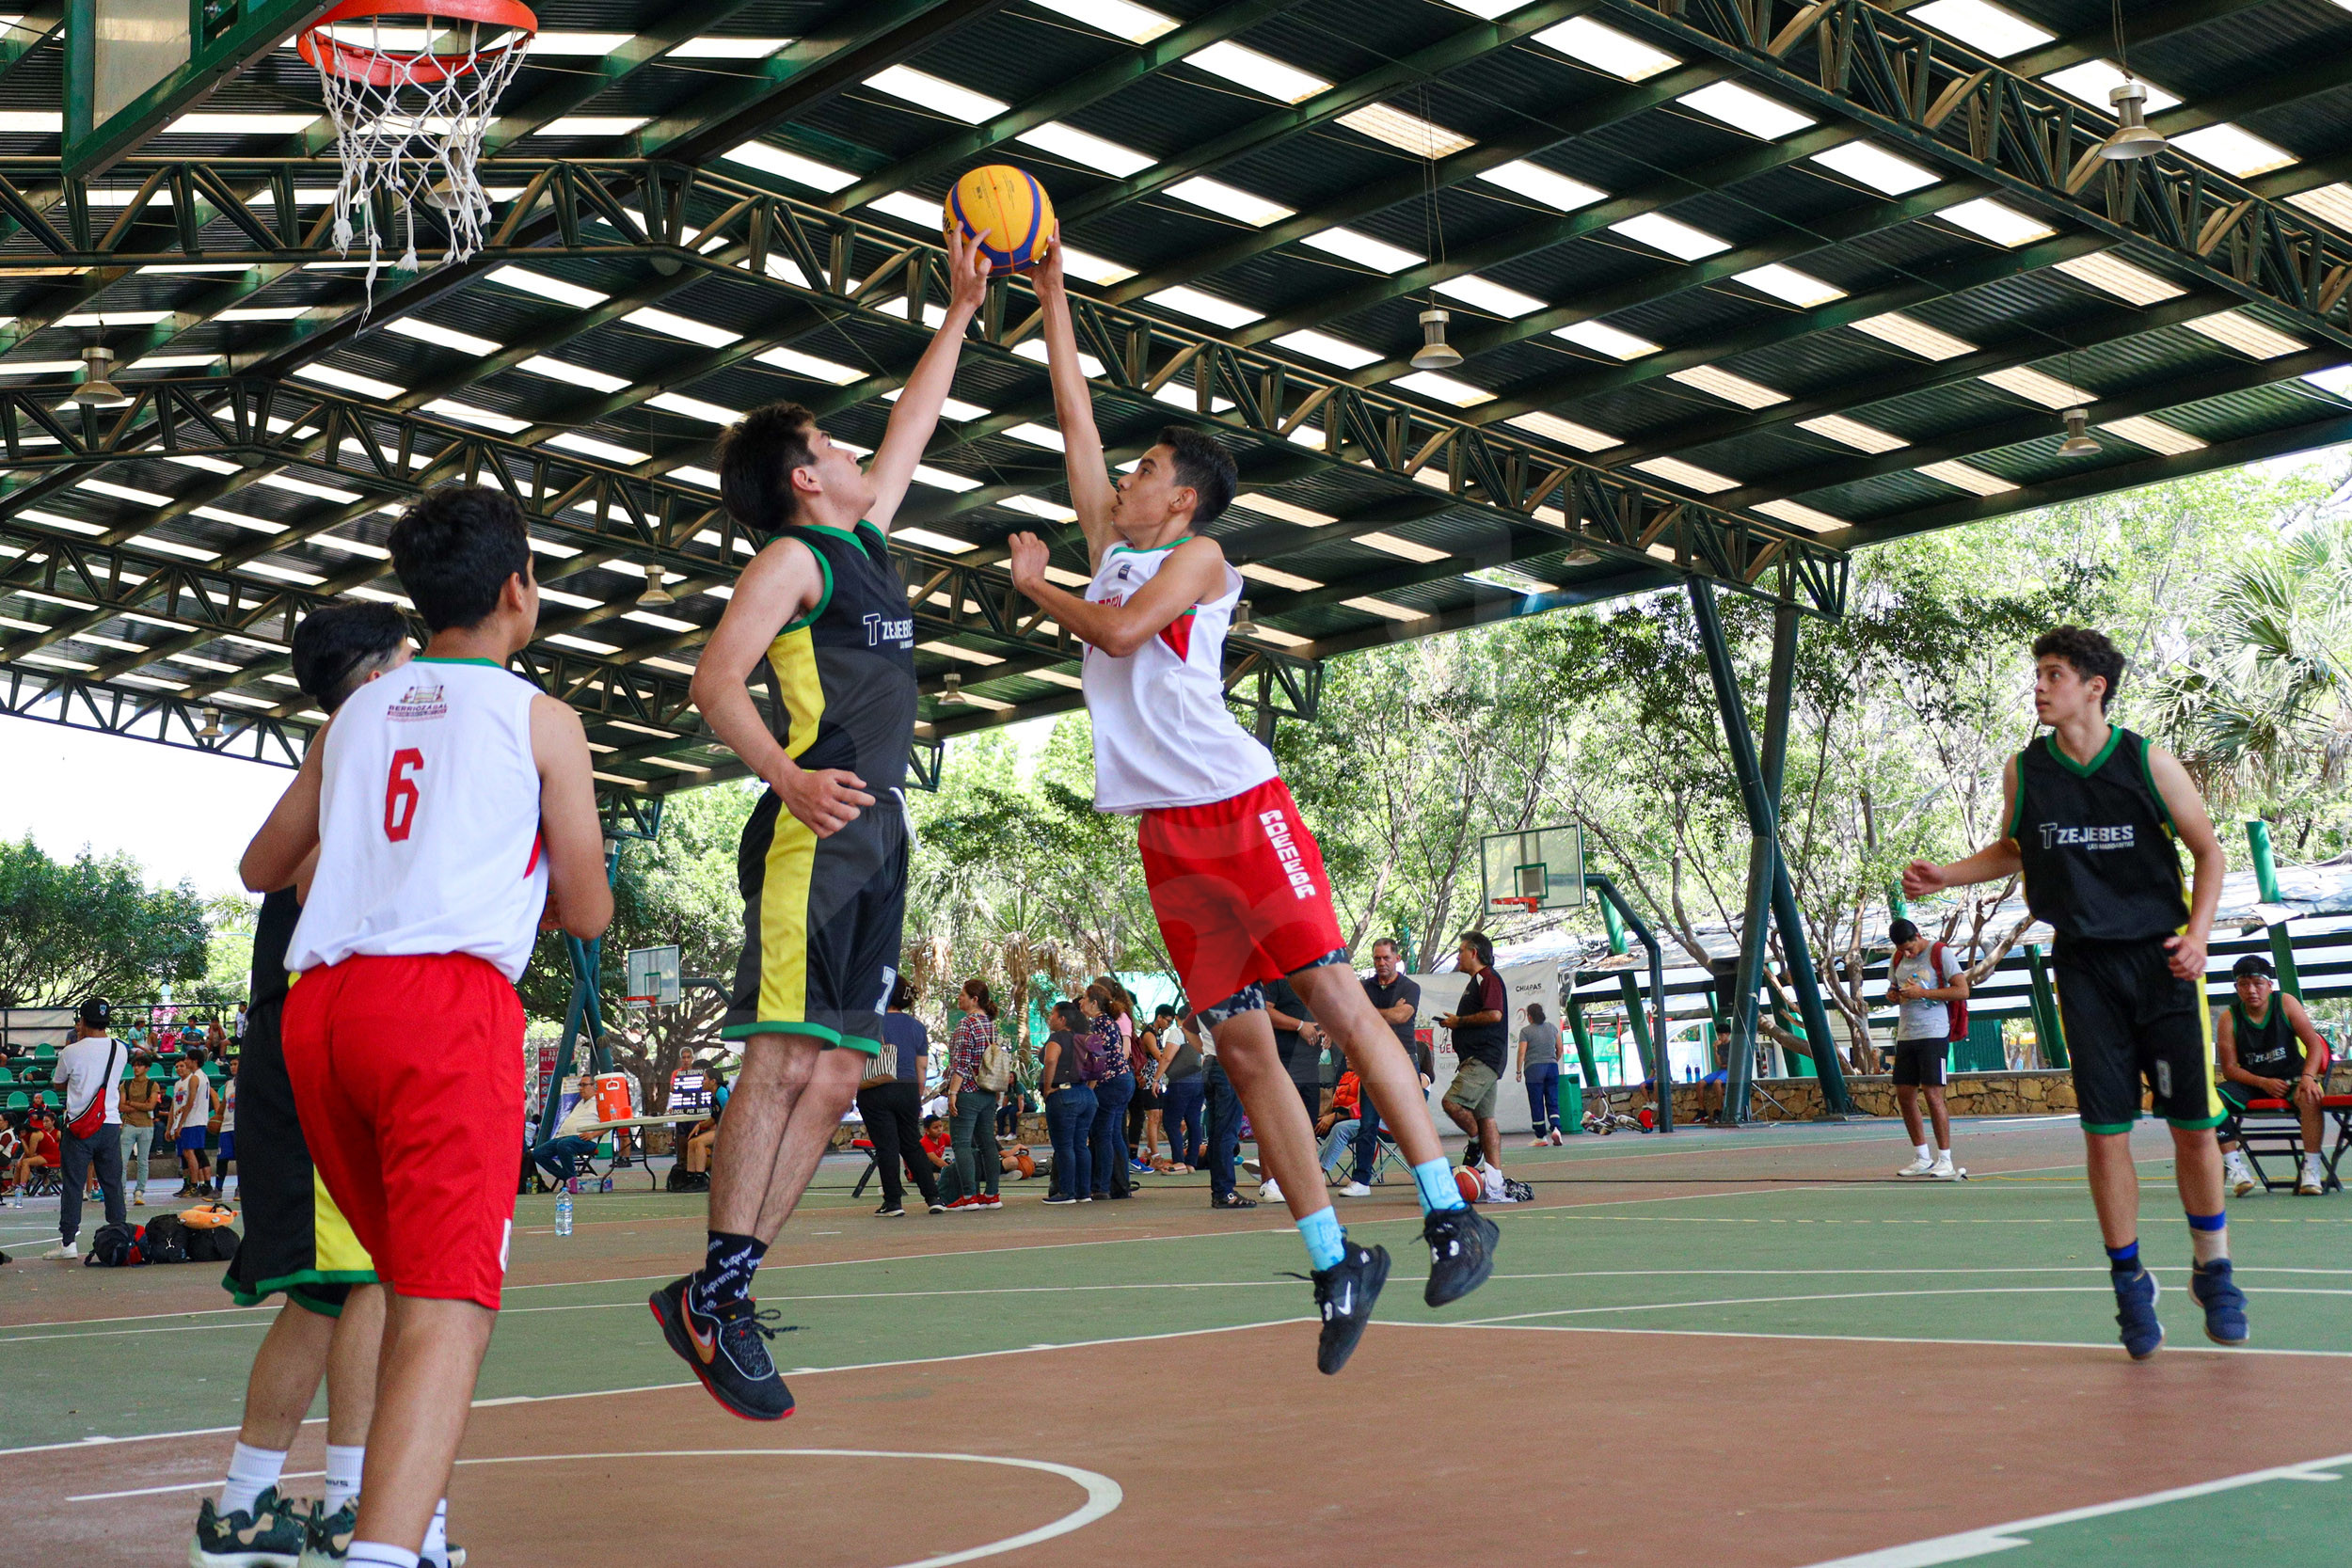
x,y
399,794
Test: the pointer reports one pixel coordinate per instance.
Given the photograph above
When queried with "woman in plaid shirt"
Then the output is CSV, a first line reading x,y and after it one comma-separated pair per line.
x,y
971,1182
1102,1008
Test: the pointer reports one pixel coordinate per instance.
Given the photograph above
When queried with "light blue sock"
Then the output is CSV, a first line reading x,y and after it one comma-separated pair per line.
x,y
1325,1243
1435,1179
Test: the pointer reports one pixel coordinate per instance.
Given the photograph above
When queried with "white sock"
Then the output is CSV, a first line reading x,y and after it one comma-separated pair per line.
x,y
251,1472
379,1553
344,1461
1943,1156
1923,1151
436,1534
2209,1245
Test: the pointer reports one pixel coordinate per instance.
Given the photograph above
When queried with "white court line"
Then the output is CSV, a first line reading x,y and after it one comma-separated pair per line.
x,y
2108,1348
1996,1538
183,1486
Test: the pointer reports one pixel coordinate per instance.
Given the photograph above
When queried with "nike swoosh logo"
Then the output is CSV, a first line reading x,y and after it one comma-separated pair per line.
x,y
1347,1301
707,1348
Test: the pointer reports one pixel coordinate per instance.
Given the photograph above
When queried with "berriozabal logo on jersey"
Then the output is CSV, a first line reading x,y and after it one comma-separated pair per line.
x,y
2055,836
881,630
419,701
1278,831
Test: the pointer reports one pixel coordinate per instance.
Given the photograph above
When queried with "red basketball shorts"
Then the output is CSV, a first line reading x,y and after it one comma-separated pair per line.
x,y
1240,891
408,1078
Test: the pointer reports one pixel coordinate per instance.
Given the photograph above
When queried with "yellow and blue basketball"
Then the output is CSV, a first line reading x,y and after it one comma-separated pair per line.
x,y
1007,210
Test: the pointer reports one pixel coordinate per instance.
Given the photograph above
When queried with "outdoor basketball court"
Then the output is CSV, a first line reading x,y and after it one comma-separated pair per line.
x,y
1711,1347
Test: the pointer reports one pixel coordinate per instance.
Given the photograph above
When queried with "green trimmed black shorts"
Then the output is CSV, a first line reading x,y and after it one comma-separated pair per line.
x,y
2130,1020
822,923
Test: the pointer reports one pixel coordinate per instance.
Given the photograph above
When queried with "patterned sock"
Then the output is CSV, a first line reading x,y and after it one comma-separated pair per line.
x,y
1434,1179
344,1461
379,1553
2124,1259
1326,1243
251,1472
730,1261
437,1535
2209,1234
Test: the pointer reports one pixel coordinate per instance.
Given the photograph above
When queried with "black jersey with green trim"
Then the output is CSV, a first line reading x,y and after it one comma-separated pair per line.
x,y
2101,863
841,678
2268,1049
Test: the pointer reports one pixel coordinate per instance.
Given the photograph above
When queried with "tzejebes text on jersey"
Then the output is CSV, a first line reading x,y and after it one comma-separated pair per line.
x,y
1278,831
2057,835
879,629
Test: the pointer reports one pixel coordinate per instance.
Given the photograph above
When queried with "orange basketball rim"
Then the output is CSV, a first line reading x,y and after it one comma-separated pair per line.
x,y
386,68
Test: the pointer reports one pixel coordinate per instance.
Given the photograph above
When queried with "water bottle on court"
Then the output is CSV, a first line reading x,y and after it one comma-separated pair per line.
x,y
563,1212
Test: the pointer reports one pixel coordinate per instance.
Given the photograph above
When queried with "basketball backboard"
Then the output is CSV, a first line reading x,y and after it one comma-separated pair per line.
x,y
133,65
655,975
1537,868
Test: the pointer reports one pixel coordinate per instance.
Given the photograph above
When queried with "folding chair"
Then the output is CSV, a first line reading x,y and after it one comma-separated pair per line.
x,y
1383,1155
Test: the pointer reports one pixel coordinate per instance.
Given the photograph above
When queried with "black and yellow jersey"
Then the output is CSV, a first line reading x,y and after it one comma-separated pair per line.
x,y
2096,842
841,678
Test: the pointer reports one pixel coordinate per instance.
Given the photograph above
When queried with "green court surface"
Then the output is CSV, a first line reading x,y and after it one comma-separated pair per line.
x,y
1637,1252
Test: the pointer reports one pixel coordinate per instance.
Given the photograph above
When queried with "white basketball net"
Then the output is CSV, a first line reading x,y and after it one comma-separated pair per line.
x,y
414,139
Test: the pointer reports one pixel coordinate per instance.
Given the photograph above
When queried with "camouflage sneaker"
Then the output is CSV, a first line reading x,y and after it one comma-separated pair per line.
x,y
271,1536
329,1535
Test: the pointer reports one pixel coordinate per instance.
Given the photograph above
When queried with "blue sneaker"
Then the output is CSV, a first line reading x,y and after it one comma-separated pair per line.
x,y
2223,1302
2136,1313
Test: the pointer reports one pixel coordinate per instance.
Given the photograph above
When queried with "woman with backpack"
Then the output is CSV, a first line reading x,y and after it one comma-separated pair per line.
x,y
1069,1107
973,1059
1103,1059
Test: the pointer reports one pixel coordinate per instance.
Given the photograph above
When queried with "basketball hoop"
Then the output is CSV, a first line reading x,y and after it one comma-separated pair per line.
x,y
410,104
1528,902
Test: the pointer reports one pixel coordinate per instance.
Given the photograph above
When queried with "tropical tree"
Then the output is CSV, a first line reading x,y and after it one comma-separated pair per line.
x,y
92,927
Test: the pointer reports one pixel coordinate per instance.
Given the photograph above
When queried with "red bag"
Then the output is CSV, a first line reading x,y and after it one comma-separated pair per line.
x,y
93,1115
1955,1012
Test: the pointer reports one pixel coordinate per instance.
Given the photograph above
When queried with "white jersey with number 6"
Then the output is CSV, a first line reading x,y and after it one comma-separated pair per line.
x,y
429,822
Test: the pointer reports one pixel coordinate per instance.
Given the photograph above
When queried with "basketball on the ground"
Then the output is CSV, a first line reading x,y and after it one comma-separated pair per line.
x,y
1008,212
1469,1183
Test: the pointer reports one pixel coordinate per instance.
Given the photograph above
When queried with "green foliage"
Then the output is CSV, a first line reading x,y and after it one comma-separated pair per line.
x,y
92,927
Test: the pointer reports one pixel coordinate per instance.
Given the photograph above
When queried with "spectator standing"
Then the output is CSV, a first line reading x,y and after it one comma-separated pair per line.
x,y
1181,1093
1069,1108
1108,1140
226,1127
971,1109
1396,997
142,1098
893,1111
89,1079
191,1115
1222,1102
1539,1070
1477,1022
1923,980
1143,1111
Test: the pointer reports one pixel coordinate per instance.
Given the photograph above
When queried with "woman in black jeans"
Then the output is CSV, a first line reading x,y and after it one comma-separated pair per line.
x,y
1112,1177
894,1110
1069,1108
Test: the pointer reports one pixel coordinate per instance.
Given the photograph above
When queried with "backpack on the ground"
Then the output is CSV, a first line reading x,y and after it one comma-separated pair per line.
x,y
211,1244
1956,1011
165,1240
113,1246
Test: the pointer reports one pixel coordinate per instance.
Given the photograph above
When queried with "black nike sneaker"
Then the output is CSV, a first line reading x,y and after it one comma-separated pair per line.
x,y
1461,1252
728,1351
1343,1294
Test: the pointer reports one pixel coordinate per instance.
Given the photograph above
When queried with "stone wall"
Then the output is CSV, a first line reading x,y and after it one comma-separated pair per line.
x,y
2037,1093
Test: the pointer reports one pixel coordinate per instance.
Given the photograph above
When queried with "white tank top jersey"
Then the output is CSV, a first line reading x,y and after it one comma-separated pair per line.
x,y
1163,735
429,822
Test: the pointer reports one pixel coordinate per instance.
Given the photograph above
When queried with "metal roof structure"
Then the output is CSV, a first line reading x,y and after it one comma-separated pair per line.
x,y
1741,285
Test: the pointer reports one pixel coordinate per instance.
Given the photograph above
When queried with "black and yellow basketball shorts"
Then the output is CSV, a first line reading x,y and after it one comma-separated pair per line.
x,y
822,922
2130,1020
295,1240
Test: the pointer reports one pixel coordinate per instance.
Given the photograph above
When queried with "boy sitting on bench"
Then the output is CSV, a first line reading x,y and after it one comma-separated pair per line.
x,y
2269,1050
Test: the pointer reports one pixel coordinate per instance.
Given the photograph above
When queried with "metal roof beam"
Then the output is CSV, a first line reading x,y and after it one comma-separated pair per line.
x,y
64,697
2022,426
860,38
952,154
1970,114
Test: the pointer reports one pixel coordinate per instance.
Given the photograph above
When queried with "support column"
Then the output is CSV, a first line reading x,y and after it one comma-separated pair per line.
x,y
1759,795
586,1011
2266,879
2047,1025
1660,1069
1580,1031
1628,988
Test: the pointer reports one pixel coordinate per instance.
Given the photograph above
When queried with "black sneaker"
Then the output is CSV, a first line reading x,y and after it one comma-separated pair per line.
x,y
727,1351
936,1207
1233,1200
1344,1294
271,1536
1461,1252
327,1539
891,1211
